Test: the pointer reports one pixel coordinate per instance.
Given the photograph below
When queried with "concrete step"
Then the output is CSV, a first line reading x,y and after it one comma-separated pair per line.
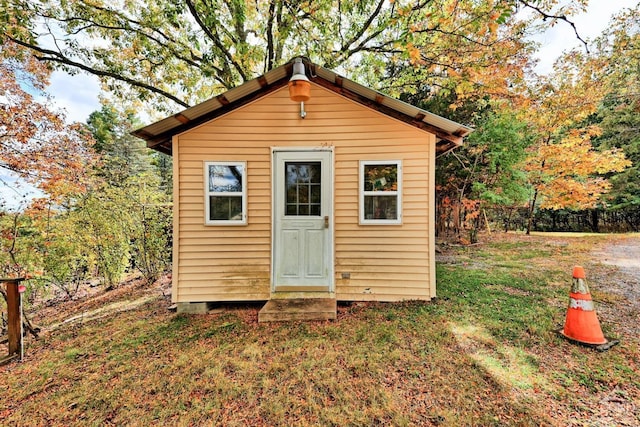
x,y
282,310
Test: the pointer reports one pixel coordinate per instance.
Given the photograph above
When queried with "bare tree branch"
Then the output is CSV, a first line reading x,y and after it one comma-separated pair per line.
x,y
215,39
270,46
54,56
364,28
564,18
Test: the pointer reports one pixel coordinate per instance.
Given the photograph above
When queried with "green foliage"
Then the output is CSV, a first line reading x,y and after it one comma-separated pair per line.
x,y
103,228
67,260
122,154
134,208
487,171
107,232
150,228
119,221
620,122
163,164
500,142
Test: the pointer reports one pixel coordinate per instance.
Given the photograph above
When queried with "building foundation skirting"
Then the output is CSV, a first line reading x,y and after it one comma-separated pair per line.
x,y
194,307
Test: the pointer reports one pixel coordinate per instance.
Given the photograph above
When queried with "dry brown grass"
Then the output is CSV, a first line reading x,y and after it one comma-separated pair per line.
x,y
485,353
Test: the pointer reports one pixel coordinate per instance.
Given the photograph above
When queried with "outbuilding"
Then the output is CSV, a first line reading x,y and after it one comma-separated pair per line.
x,y
326,194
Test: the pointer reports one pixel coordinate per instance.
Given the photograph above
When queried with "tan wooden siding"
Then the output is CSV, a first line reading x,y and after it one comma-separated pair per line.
x,y
228,263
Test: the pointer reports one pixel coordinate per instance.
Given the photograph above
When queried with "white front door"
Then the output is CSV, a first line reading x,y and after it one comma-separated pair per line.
x,y
303,224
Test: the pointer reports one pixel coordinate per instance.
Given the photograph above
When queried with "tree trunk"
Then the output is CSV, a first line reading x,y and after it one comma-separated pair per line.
x,y
456,219
595,226
631,223
532,209
507,221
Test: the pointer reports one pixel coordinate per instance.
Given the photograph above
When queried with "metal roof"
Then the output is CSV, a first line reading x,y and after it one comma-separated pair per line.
x,y
158,135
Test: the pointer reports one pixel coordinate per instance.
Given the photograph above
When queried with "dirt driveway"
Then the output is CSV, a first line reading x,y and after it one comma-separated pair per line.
x,y
616,279
624,254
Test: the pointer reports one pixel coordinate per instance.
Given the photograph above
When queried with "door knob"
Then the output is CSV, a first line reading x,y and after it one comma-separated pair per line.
x,y
326,221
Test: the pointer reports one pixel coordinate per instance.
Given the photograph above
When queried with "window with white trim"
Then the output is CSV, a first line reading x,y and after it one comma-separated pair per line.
x,y
225,193
380,192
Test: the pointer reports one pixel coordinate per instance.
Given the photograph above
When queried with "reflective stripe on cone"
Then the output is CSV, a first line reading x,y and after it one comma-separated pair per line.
x,y
581,304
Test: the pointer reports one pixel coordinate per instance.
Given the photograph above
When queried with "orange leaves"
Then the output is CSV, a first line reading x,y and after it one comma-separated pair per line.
x,y
573,193
564,168
472,211
35,141
574,155
450,8
566,171
414,54
570,94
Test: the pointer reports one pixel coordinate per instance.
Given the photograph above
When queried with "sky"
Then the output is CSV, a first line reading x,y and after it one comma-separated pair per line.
x,y
78,94
590,25
15,194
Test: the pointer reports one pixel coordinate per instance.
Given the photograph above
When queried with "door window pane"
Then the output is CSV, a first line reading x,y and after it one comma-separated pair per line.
x,y
303,188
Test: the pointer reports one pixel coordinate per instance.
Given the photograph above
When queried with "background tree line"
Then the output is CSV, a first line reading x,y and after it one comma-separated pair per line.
x,y
553,151
562,155
108,217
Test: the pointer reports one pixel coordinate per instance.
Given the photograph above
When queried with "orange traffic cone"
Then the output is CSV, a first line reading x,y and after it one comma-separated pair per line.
x,y
582,324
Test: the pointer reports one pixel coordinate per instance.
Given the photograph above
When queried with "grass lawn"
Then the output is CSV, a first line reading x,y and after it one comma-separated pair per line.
x,y
484,353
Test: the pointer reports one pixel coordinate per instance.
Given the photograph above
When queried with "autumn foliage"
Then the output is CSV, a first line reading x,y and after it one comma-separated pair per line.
x,y
570,172
100,212
36,143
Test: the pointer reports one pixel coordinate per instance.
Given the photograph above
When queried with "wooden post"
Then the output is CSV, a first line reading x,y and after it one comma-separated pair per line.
x,y
486,221
14,331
